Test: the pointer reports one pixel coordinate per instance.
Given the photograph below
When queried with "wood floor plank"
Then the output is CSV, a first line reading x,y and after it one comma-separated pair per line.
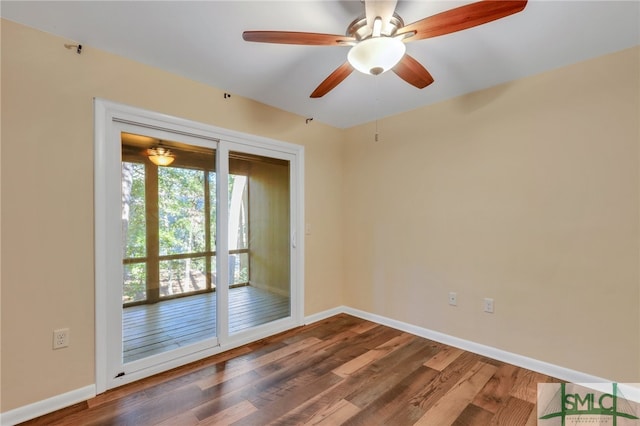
x,y
101,414
183,419
338,345
229,373
231,414
388,371
364,326
526,387
393,407
330,397
473,415
453,403
407,353
261,390
293,376
370,356
442,359
264,391
169,381
513,412
281,406
218,400
533,417
437,388
335,414
377,336
339,371
161,408
498,388
310,408
324,329
62,416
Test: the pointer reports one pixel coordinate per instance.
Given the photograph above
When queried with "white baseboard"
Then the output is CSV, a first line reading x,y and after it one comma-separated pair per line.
x,y
49,405
40,408
488,351
324,315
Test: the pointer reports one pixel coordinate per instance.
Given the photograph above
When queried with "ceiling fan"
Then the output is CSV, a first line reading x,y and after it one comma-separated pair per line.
x,y
378,39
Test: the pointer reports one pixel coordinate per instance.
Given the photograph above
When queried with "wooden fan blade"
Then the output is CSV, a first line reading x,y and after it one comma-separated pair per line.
x,y
413,72
463,17
292,37
333,80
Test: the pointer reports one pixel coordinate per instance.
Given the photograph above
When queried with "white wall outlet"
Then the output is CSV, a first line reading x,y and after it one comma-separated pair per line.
x,y
453,298
488,305
60,338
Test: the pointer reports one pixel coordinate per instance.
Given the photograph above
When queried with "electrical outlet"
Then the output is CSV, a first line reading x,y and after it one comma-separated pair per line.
x,y
453,299
60,338
488,305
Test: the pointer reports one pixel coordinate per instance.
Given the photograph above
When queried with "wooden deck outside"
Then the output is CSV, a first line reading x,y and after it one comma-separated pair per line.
x,y
152,329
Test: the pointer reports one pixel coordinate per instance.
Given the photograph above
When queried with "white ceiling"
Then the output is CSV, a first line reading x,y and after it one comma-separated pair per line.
x,y
202,40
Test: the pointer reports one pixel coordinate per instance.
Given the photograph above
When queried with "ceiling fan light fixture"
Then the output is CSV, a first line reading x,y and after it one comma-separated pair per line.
x,y
376,55
160,156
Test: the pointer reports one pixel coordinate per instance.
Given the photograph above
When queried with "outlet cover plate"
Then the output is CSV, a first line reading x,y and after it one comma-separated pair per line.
x,y
488,305
453,298
60,338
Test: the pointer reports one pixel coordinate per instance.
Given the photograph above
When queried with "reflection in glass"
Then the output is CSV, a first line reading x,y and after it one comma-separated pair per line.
x,y
135,283
181,210
134,227
168,248
238,269
180,276
259,250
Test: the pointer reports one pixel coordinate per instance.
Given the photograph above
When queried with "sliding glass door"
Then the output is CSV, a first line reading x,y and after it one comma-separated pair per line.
x,y
196,248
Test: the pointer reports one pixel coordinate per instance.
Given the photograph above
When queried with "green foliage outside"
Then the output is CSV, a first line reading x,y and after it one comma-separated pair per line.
x,y
181,210
181,229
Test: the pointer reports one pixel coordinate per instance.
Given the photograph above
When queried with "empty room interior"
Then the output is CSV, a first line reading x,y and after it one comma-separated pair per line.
x,y
173,201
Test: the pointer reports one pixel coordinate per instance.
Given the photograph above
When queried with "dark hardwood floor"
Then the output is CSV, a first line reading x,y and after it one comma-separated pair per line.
x,y
152,329
342,370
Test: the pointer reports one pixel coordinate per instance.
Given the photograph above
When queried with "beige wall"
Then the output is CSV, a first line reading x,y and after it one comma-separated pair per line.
x,y
47,196
526,193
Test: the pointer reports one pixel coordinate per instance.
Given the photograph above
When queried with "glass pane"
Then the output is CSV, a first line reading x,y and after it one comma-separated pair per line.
x,y
239,268
134,226
238,206
168,248
212,268
182,276
212,210
134,288
181,210
259,241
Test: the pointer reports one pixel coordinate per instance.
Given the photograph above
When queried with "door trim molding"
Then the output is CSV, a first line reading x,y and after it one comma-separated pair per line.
x,y
108,117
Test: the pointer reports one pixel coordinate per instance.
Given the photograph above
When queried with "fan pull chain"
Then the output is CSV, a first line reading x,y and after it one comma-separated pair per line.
x,y
377,89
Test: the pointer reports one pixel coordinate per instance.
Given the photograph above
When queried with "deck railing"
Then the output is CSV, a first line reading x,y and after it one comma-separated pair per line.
x,y
197,275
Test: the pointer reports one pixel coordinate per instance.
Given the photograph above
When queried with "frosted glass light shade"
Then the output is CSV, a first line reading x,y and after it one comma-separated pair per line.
x,y
376,55
160,156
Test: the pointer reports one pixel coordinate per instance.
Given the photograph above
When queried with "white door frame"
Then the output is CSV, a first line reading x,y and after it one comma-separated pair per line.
x,y
112,118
